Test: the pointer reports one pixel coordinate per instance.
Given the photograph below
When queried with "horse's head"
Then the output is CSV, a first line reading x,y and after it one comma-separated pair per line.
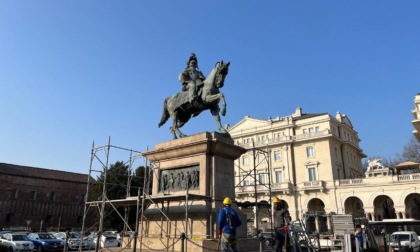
x,y
222,70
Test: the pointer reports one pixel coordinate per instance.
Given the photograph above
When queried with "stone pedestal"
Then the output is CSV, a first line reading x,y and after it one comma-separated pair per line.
x,y
192,177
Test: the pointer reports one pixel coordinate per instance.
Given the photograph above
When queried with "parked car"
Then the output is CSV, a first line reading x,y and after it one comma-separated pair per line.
x,y
268,238
406,240
46,242
17,242
74,240
115,233
106,240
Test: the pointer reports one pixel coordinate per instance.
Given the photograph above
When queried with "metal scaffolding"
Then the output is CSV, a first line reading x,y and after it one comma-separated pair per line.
x,y
261,157
142,201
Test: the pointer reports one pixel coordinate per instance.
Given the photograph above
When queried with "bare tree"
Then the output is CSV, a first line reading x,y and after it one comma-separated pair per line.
x,y
411,151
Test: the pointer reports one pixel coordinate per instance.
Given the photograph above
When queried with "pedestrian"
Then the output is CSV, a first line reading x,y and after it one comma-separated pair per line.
x,y
227,223
359,237
281,220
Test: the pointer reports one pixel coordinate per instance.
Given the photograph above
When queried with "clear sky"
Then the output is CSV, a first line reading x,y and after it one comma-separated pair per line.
x,y
77,72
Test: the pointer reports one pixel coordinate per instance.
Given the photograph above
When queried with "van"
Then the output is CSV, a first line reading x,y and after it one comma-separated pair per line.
x,y
404,240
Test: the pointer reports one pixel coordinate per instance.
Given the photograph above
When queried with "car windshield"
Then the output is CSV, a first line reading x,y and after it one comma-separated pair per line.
x,y
267,235
46,236
402,237
74,235
17,237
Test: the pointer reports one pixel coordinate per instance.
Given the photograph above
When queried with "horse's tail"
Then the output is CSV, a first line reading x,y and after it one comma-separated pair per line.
x,y
165,114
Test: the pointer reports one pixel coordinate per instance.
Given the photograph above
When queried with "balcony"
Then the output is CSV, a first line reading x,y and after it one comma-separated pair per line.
x,y
347,182
318,185
267,142
409,177
313,135
285,187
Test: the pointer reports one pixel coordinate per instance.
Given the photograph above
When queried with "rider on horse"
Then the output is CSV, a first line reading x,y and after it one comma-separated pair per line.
x,y
190,78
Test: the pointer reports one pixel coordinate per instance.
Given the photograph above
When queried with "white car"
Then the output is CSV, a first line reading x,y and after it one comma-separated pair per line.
x,y
406,240
106,240
73,242
114,233
17,242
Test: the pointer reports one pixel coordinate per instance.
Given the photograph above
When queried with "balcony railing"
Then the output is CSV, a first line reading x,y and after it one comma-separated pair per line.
x,y
409,177
313,134
267,141
345,182
313,185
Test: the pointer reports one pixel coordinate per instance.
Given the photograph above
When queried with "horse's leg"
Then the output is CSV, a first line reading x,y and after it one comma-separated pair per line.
x,y
217,97
173,132
215,112
219,124
180,134
175,126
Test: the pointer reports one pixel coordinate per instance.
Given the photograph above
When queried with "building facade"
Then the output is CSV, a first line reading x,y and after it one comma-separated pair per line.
x,y
416,114
41,198
313,163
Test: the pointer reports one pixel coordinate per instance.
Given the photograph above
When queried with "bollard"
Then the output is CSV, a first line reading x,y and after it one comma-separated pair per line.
x,y
66,241
182,241
135,242
261,239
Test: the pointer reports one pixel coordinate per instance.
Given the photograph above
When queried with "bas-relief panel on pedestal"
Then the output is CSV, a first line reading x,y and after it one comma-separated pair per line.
x,y
179,179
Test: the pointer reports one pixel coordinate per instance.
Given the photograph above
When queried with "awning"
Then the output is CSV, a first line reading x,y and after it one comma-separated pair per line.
x,y
409,165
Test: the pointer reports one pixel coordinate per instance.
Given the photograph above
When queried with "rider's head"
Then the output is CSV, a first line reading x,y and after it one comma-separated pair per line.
x,y
192,61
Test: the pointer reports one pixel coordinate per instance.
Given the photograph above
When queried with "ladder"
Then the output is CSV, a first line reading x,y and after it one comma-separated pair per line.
x,y
298,239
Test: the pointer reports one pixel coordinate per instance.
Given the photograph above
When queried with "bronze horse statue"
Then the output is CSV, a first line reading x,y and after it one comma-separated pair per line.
x,y
180,109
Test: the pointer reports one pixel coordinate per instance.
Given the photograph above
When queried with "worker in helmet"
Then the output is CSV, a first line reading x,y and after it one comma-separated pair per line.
x,y
227,222
281,219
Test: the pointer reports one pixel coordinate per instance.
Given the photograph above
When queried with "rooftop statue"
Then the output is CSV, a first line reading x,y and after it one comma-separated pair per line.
x,y
375,164
198,93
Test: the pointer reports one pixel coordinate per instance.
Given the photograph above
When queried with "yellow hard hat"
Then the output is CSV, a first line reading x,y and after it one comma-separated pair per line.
x,y
227,201
276,200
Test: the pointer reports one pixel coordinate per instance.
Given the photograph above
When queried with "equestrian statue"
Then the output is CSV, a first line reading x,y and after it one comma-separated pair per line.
x,y
198,93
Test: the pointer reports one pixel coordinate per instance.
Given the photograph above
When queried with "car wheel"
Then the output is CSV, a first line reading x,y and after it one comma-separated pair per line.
x,y
10,249
39,248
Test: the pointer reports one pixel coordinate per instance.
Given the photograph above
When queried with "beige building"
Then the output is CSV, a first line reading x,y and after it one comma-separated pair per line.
x,y
416,114
313,163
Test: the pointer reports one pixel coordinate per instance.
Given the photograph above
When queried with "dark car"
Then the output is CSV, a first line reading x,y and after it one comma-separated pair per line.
x,y
46,242
268,238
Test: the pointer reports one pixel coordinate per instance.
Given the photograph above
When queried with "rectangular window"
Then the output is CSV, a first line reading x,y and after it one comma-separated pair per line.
x,y
49,219
10,218
277,156
316,128
261,178
312,174
311,130
245,181
310,151
279,176
32,195
245,160
51,196
13,194
305,131
82,198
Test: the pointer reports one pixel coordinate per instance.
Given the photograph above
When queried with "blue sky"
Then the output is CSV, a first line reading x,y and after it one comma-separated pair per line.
x,y
77,72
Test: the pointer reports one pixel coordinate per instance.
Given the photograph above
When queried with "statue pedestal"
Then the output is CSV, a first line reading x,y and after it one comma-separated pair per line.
x,y
382,172
192,177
